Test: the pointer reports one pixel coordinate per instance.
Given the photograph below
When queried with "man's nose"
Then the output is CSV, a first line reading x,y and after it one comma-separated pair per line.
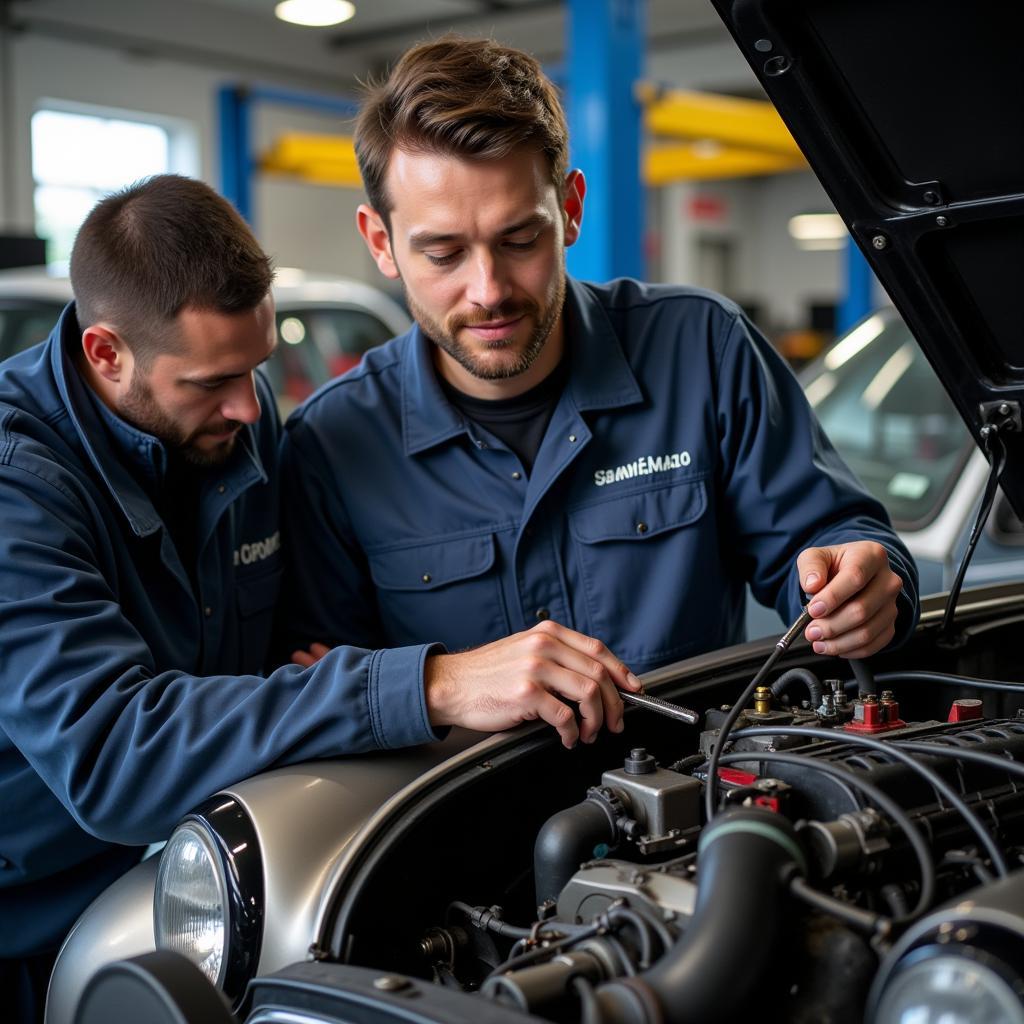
x,y
488,285
243,404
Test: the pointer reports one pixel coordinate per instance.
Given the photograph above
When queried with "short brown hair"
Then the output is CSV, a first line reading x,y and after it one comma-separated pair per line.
x,y
157,247
463,97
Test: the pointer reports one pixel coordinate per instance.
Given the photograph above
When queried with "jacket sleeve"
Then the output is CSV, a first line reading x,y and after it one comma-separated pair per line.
x,y
126,745
328,595
784,486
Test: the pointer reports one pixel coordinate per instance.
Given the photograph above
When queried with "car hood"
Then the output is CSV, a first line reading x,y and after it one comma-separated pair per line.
x,y
912,116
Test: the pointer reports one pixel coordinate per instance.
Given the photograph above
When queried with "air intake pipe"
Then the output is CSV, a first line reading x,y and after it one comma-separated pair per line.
x,y
745,860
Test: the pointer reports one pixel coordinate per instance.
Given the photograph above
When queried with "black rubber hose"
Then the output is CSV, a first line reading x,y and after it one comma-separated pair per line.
x,y
945,679
799,675
746,858
566,840
936,781
864,676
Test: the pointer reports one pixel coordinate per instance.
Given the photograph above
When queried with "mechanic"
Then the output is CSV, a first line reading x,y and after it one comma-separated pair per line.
x,y
619,459
140,560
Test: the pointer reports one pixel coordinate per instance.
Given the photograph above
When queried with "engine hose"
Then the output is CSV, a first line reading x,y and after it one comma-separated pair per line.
x,y
864,676
568,839
799,675
746,858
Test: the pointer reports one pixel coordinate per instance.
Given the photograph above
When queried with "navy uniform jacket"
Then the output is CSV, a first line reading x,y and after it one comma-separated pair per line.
x,y
126,698
680,462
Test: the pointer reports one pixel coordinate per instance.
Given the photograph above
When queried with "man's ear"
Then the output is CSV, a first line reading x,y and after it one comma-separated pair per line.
x,y
375,233
572,205
106,352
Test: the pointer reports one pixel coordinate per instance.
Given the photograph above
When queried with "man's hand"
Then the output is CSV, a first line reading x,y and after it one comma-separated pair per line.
x,y
854,598
309,658
523,677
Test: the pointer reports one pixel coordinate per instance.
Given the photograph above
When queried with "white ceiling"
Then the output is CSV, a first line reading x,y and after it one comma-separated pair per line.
x,y
244,38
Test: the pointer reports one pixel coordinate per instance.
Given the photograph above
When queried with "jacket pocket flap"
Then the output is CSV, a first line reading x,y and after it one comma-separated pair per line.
x,y
637,516
259,594
429,566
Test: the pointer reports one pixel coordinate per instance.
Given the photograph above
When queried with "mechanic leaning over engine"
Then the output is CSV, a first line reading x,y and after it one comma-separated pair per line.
x,y
615,459
140,557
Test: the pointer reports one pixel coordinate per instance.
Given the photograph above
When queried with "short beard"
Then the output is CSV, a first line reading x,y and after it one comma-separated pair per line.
x,y
446,336
139,407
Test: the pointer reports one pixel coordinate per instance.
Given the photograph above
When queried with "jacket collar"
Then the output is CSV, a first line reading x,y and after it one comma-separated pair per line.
x,y
129,461
599,374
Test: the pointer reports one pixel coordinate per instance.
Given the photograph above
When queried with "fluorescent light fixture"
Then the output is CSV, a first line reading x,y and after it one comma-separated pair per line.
x,y
816,227
315,13
821,244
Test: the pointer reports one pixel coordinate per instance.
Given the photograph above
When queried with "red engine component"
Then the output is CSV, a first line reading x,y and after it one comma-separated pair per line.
x,y
871,715
964,710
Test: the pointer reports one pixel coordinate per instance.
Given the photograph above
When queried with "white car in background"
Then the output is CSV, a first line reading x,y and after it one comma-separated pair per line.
x,y
325,323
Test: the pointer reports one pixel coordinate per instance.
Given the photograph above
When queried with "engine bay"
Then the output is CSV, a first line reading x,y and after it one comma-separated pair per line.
x,y
863,858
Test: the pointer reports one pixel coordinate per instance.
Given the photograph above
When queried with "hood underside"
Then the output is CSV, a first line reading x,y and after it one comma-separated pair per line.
x,y
912,116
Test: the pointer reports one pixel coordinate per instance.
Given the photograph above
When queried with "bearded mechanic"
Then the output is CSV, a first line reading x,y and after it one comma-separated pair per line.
x,y
140,558
616,459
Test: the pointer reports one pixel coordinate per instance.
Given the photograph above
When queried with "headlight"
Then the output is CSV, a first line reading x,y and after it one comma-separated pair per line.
x,y
956,987
208,899
191,906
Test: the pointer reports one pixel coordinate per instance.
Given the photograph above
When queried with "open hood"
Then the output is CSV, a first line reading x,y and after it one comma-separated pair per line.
x,y
912,116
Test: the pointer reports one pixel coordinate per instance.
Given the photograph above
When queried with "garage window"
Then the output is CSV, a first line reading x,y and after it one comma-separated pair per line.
x,y
77,158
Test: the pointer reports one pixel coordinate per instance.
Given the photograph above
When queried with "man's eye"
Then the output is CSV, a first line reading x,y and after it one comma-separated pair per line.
x,y
442,261
521,246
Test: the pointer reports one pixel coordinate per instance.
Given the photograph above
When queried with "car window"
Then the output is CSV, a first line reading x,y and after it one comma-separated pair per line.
x,y
317,344
890,418
24,324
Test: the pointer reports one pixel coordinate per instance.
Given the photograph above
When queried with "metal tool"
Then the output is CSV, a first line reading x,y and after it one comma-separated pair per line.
x,y
662,707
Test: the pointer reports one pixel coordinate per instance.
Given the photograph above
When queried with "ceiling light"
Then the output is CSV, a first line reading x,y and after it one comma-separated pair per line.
x,y
316,13
813,227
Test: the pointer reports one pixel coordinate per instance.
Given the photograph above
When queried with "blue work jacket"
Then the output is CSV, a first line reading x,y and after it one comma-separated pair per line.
x,y
681,462
127,694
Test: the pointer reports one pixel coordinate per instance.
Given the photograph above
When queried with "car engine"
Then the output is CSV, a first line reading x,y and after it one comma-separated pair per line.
x,y
861,860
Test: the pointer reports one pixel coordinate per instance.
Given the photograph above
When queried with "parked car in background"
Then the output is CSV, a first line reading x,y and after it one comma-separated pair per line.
x,y
886,412
325,323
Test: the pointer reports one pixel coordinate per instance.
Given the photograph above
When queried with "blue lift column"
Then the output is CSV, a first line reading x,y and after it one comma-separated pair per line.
x,y
233,111
235,105
857,302
606,47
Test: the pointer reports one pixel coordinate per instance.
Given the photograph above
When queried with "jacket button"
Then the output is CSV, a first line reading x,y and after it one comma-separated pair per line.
x,y
207,611
426,577
542,614
572,438
516,475
221,489
641,527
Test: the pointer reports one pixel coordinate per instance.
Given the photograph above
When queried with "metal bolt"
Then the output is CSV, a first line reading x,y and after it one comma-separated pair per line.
x,y
391,983
941,221
880,241
777,66
931,198
763,46
888,695
1004,408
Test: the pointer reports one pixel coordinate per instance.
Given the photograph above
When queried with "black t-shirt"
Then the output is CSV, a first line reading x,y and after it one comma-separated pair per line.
x,y
518,422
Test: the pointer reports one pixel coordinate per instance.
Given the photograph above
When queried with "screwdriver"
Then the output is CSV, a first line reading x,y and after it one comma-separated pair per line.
x,y
662,707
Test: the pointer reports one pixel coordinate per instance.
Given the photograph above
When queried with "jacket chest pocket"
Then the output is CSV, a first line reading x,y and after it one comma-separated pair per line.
x,y
446,591
256,602
640,558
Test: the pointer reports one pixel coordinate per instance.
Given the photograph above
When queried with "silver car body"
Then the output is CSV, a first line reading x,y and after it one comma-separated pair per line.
x,y
308,818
